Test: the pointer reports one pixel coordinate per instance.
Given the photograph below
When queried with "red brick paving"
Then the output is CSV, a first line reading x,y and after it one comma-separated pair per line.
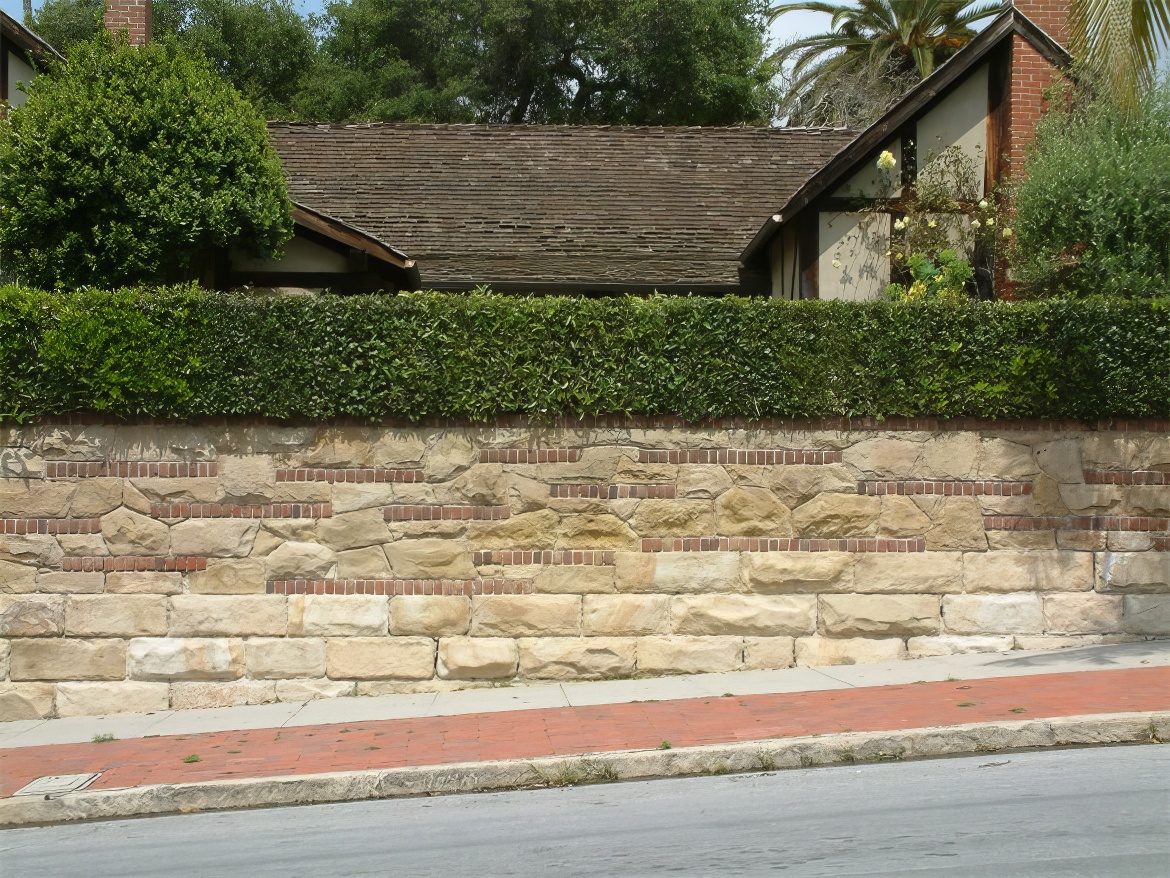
x,y
527,734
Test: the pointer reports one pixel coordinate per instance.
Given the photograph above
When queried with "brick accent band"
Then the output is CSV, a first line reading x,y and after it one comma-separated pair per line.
x,y
946,488
626,491
399,586
1126,477
772,544
529,455
1139,523
554,557
170,563
407,512
354,475
20,526
739,456
233,510
129,469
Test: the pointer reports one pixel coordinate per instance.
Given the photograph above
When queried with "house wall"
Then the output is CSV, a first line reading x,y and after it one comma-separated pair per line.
x,y
163,565
852,263
19,70
300,255
869,182
783,259
960,119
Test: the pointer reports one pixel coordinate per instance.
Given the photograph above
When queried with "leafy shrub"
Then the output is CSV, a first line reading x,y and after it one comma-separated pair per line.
x,y
129,164
948,280
185,353
1093,209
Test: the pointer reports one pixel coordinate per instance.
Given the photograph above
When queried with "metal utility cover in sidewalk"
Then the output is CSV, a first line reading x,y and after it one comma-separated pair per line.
x,y
57,784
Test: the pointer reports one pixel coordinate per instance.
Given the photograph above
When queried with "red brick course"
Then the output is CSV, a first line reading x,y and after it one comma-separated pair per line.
x,y
1126,477
529,455
399,586
20,526
351,475
122,563
946,488
738,456
782,544
554,557
235,510
625,491
1140,523
129,469
407,512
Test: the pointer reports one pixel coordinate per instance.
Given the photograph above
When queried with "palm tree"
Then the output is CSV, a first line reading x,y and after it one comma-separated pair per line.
x,y
1119,41
905,34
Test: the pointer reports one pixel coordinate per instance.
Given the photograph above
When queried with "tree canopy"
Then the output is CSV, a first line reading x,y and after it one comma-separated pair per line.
x,y
127,164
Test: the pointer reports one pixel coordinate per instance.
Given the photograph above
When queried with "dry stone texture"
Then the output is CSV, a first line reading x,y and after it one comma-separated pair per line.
x,y
381,658
478,658
576,658
430,615
169,658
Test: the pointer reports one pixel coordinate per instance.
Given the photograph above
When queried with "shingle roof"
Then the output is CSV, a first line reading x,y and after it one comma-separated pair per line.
x,y
584,206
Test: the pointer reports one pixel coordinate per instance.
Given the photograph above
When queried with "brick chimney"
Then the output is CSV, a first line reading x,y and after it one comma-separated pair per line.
x,y
132,16
1031,75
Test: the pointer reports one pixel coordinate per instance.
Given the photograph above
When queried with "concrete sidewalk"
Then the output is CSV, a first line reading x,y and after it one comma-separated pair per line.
x,y
339,749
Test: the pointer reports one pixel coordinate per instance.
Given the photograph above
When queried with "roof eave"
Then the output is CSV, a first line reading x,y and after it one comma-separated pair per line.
x,y
352,236
25,38
1010,21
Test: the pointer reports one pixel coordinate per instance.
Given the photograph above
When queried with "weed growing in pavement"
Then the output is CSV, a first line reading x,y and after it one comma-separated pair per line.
x,y
766,761
103,738
966,704
1018,710
577,771
665,745
194,757
235,751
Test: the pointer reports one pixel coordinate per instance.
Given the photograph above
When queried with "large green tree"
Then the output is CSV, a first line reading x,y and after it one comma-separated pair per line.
x,y
1120,41
699,62
129,165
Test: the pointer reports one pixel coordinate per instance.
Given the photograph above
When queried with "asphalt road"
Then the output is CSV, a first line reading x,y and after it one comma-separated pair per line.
x,y
1093,812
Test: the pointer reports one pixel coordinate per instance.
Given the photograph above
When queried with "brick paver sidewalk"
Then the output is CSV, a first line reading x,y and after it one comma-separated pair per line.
x,y
526,734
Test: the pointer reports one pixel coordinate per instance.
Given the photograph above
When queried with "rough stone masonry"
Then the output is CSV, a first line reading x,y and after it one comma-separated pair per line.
x,y
160,565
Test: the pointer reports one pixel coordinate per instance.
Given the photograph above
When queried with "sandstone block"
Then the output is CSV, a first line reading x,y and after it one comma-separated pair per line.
x,y
448,453
596,532
768,653
1008,571
20,463
192,696
354,530
1024,540
798,484
26,701
367,563
80,545
1067,641
129,533
950,456
1089,499
337,615
870,615
701,481
797,572
34,615
55,659
301,561
249,479
430,559
759,615
626,615
310,690
17,578
950,644
102,699
689,655
901,517
169,491
1061,460
35,549
957,525
529,530
5,654
229,576
169,658
1001,459
574,579
223,616
144,583
537,615
381,658
1128,541
215,537
71,583
884,458
349,497
276,658
816,650
1134,573
678,572
1088,613
835,516
576,658
1148,499
909,573
1143,614
430,615
673,518
116,615
751,512
993,614
96,497
478,658
33,498
362,446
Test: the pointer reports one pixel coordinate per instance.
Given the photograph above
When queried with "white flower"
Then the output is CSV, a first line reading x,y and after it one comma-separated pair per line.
x,y
983,204
991,221
975,224
886,160
836,263
899,225
1007,233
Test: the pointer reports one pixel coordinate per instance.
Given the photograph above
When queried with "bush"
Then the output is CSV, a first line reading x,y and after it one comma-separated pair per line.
x,y
129,165
1093,209
186,353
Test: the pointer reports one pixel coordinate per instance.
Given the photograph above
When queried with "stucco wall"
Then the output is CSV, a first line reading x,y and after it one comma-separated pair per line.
x,y
153,566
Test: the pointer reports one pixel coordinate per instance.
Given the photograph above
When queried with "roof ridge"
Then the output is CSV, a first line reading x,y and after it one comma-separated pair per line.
x,y
504,126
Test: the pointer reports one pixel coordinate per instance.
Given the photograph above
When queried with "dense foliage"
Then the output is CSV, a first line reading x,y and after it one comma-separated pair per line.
x,y
1093,209
180,352
130,164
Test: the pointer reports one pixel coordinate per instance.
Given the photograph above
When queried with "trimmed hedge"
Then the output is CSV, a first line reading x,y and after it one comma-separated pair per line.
x,y
185,353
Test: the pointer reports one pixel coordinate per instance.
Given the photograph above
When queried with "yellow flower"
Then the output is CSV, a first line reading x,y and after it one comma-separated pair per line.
x,y
932,224
836,263
1007,233
886,160
991,221
983,204
975,224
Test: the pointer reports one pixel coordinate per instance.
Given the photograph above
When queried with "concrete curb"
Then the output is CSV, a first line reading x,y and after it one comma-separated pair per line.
x,y
468,777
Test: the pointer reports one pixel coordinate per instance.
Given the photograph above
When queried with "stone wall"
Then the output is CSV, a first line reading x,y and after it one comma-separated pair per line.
x,y
158,565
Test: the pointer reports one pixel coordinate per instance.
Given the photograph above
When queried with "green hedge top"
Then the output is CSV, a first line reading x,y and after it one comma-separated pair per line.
x,y
185,353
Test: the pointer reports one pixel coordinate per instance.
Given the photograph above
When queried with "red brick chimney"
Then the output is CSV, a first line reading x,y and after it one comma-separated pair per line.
x,y
132,16
1032,75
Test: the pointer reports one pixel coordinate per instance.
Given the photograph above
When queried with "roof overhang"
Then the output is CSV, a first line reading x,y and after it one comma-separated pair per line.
x,y
355,238
1008,23
23,38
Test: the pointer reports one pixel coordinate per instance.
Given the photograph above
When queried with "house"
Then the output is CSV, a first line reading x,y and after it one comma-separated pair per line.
x,y
787,213
21,51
